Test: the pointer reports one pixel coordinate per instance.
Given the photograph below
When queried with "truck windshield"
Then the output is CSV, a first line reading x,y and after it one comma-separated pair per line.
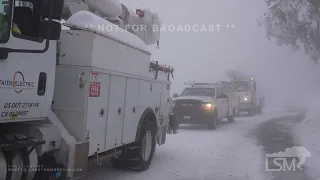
x,y
5,17
198,92
242,86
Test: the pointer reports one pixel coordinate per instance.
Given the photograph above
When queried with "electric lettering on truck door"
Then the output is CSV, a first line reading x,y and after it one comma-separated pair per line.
x,y
28,98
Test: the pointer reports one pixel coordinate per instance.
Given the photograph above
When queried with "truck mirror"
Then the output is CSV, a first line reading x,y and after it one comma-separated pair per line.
x,y
175,95
55,29
57,8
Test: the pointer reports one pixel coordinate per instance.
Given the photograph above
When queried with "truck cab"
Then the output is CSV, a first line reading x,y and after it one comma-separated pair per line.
x,y
249,99
27,60
202,103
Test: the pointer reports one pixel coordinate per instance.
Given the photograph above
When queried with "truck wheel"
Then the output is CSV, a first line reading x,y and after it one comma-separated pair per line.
x,y
213,123
118,163
230,119
138,156
141,158
251,112
259,110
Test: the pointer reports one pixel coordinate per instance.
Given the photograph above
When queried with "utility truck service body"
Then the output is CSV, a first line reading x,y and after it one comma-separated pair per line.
x,y
205,103
98,96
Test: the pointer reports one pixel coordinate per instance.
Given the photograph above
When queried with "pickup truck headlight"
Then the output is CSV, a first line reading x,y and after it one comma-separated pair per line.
x,y
207,106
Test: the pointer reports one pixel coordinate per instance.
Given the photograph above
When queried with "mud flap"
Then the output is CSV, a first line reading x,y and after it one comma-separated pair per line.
x,y
173,124
81,161
162,134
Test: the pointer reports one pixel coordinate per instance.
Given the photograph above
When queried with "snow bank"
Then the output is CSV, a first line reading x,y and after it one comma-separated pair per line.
x,y
91,22
309,134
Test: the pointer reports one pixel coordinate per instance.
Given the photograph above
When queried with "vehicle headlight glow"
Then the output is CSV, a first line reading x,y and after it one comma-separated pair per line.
x,y
207,106
246,98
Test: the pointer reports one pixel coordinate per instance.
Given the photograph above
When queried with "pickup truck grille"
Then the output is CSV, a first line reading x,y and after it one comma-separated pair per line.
x,y
187,106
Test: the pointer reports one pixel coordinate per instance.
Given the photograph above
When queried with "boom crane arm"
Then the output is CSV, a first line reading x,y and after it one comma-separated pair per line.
x,y
142,22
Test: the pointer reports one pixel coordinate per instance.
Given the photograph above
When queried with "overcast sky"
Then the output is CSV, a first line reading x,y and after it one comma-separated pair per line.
x,y
281,73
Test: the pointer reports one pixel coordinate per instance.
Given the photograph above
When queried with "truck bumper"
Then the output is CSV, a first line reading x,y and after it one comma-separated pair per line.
x,y
245,106
201,117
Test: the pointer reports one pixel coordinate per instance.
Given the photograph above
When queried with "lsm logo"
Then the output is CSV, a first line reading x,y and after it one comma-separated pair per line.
x,y
288,160
18,83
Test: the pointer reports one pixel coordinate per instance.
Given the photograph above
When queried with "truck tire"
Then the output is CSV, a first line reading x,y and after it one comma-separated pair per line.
x,y
213,123
259,108
230,118
138,157
251,112
119,162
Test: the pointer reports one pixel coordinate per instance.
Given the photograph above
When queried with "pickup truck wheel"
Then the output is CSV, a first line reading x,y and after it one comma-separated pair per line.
x,y
213,123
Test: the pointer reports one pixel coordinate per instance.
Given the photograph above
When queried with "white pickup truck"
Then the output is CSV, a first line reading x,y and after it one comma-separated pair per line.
x,y
204,103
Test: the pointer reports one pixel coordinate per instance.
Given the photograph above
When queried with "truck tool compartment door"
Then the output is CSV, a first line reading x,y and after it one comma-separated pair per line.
x,y
131,113
96,113
115,111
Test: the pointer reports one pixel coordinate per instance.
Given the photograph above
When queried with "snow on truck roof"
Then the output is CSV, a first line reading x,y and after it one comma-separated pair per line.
x,y
88,21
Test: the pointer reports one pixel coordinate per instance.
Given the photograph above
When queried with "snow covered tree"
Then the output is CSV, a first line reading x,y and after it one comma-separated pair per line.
x,y
237,75
294,23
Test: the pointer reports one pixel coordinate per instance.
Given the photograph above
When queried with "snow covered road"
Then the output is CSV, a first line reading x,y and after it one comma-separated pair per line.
x,y
196,153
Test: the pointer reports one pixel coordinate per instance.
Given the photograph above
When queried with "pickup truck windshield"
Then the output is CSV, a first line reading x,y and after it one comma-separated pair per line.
x,y
4,20
242,86
198,92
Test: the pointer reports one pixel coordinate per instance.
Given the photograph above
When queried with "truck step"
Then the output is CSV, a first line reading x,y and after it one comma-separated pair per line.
x,y
20,143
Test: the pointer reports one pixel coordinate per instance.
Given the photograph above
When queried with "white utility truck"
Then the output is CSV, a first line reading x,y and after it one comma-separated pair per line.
x,y
249,97
205,103
95,94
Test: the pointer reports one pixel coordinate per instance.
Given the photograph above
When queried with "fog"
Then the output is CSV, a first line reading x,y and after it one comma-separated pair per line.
x,y
286,77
